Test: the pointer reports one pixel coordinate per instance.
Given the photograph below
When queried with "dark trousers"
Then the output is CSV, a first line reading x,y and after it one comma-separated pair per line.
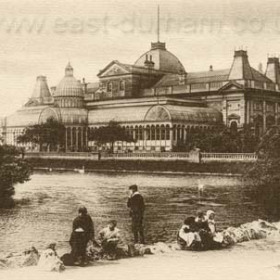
x,y
137,229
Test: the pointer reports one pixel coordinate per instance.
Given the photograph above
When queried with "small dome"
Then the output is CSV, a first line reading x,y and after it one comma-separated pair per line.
x,y
163,59
69,86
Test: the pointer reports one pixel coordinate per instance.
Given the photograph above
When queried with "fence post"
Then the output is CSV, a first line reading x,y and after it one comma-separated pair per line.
x,y
195,155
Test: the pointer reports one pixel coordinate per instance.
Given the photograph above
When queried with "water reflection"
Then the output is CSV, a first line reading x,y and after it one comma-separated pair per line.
x,y
51,201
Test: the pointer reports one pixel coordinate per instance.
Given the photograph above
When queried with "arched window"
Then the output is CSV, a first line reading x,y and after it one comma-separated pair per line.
x,y
178,133
174,132
167,133
153,130
148,131
162,132
157,132
136,133
131,130
140,132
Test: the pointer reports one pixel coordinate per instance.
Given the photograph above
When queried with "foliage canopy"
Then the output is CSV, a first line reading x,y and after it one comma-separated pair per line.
x,y
50,134
13,170
111,133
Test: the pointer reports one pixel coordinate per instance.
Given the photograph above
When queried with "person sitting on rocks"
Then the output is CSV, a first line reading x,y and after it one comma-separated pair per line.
x,y
110,238
210,219
201,222
214,239
188,237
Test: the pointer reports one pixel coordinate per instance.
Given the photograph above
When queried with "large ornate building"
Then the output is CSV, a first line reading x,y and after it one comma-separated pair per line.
x,y
156,99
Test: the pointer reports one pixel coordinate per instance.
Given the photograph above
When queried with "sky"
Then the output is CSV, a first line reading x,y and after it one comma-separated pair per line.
x,y
40,37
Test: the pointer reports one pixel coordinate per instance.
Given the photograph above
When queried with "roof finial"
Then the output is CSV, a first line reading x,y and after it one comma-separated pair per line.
x,y
158,24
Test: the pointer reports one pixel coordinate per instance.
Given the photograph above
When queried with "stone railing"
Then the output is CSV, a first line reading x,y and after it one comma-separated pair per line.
x,y
164,156
72,155
148,156
228,157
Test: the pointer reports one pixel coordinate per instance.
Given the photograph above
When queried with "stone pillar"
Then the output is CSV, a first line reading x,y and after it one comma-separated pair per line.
x,y
195,155
71,136
171,136
264,116
66,139
86,140
77,139
82,138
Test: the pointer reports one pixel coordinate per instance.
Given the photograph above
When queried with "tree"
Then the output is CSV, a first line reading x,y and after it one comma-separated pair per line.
x,y
13,170
223,140
264,175
110,134
266,171
50,134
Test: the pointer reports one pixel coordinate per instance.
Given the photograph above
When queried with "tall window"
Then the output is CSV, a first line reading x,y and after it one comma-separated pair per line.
x,y
148,132
167,132
162,132
122,85
157,132
136,133
153,132
109,86
140,132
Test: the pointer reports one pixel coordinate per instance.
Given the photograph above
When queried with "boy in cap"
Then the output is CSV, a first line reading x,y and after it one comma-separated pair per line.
x,y
137,206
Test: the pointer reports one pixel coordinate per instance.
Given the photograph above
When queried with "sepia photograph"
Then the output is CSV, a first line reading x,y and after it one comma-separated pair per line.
x,y
139,139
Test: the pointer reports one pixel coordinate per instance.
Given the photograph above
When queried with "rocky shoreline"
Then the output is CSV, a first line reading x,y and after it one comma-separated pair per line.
x,y
250,231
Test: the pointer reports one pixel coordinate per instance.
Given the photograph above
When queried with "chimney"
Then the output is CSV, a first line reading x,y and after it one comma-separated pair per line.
x,y
149,63
272,69
41,89
260,68
240,69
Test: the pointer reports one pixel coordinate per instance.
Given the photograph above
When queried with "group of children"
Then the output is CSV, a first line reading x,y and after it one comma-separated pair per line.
x,y
199,233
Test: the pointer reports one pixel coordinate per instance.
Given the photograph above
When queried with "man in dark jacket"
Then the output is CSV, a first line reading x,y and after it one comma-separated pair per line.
x,y
136,204
83,231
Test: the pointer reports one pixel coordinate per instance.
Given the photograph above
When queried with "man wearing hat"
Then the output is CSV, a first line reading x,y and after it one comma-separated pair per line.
x,y
137,206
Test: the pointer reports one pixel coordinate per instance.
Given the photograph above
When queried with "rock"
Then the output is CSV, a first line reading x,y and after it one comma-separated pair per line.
x,y
160,247
30,259
3,264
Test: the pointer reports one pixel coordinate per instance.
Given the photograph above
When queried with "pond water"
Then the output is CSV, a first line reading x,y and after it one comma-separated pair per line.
x,y
49,203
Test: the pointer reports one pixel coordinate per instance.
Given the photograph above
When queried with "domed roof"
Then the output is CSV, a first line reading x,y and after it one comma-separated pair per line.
x,y
69,86
163,59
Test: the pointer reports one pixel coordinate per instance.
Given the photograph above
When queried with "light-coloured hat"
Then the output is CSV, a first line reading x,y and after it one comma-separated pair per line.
x,y
79,230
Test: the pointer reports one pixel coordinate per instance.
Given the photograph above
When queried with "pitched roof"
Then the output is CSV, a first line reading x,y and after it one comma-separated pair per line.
x,y
194,77
258,76
208,77
129,68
